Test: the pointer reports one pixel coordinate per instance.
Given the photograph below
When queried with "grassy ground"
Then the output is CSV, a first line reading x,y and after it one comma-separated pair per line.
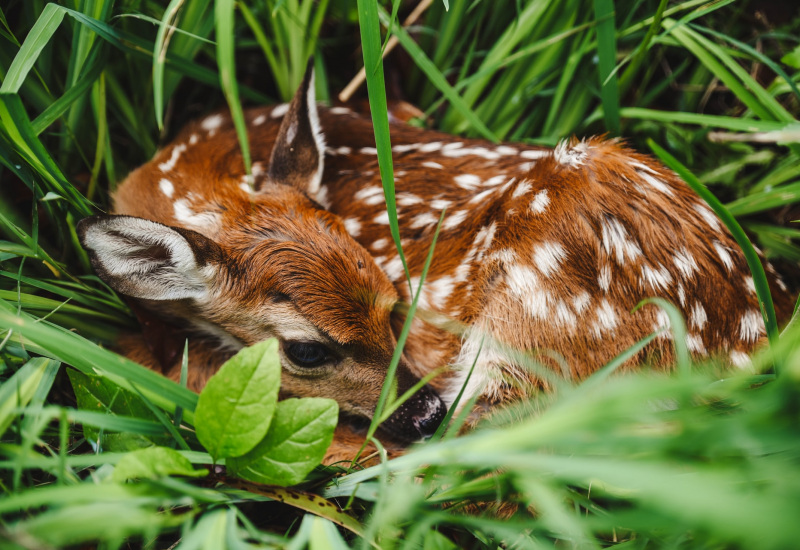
x,y
89,91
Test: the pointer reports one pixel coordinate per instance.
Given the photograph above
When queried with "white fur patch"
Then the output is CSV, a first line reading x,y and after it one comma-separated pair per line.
x,y
695,344
279,111
698,317
382,218
408,199
548,257
370,195
534,154
431,164
212,122
455,219
606,320
604,278
424,219
615,241
166,187
655,183
470,182
340,111
685,263
259,120
724,255
169,164
380,244
368,151
751,326
522,188
353,226
540,202
656,278
707,215
740,359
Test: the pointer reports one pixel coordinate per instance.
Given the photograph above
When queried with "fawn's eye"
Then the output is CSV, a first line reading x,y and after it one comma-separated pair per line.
x,y
307,354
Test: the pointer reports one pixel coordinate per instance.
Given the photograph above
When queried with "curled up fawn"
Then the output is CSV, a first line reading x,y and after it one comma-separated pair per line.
x,y
541,251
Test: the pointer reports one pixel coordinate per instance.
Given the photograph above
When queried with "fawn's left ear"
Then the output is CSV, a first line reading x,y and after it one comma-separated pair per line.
x,y
299,151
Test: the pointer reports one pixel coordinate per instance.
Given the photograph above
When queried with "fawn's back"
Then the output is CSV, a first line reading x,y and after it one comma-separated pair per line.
x,y
540,251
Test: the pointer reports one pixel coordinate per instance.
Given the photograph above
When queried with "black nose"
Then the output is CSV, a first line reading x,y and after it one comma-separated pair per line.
x,y
427,423
419,417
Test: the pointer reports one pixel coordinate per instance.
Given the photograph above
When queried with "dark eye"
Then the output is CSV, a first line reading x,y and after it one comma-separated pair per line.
x,y
306,354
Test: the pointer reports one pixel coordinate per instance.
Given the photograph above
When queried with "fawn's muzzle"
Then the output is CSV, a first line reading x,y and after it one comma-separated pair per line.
x,y
417,418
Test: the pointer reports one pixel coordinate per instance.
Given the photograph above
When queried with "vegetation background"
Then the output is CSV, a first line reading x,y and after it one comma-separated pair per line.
x,y
91,89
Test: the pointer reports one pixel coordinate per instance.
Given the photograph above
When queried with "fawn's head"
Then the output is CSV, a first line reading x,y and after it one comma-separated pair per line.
x,y
267,264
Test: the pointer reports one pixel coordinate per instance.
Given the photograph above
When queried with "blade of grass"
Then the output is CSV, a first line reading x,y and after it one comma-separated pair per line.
x,y
607,60
376,90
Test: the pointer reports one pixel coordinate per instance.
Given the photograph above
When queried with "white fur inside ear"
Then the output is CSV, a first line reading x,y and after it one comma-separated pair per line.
x,y
146,260
319,138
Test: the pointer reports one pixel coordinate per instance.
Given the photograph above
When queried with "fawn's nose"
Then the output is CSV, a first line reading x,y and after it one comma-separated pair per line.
x,y
417,418
428,422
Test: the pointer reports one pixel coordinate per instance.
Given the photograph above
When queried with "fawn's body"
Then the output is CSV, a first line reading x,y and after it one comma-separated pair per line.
x,y
540,251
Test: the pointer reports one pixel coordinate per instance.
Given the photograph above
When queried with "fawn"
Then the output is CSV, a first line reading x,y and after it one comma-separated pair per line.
x,y
543,251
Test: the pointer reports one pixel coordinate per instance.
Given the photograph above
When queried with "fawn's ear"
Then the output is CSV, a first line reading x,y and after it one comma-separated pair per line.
x,y
299,151
145,259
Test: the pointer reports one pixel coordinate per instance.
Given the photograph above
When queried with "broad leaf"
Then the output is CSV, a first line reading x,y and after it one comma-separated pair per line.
x,y
153,463
235,408
301,432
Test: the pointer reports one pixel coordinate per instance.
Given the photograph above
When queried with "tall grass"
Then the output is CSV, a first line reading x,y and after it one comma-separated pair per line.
x,y
89,91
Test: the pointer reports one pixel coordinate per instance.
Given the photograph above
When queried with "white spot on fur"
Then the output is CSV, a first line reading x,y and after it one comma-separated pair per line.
x,y
534,154
212,122
166,187
353,226
581,301
698,317
681,295
343,150
707,215
431,164
380,244
505,256
194,138
751,326
695,343
370,195
279,110
615,240
657,279
382,218
604,278
430,147
259,120
440,204
505,150
455,219
662,322
495,180
470,182
522,188
424,219
393,268
548,256
685,263
540,202
322,196
724,255
368,151
749,284
169,164
740,359
340,111
606,319
408,199
482,196
185,215
655,183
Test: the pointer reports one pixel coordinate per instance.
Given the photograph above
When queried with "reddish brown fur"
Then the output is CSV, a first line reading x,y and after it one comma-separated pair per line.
x,y
528,274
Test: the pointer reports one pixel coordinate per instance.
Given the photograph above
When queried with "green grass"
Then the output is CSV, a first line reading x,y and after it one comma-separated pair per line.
x,y
694,459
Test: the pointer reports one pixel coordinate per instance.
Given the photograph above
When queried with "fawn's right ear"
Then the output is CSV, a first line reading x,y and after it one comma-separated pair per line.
x,y
145,259
299,152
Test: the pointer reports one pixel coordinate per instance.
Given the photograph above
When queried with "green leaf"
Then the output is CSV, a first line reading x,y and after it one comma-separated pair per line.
x,y
153,463
792,58
301,432
99,394
236,406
